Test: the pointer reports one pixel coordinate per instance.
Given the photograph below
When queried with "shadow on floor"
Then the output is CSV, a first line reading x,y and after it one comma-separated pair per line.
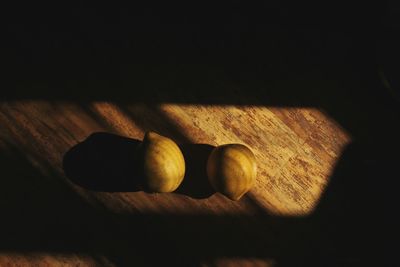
x,y
104,162
107,162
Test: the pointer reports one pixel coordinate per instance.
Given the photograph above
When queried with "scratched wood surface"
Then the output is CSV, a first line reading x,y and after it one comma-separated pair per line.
x,y
296,151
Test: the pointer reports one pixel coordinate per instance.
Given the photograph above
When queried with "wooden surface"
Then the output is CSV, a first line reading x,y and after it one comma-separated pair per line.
x,y
56,222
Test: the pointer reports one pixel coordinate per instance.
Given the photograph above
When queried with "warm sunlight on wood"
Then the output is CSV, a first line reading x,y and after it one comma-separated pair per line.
x,y
296,151
296,148
52,259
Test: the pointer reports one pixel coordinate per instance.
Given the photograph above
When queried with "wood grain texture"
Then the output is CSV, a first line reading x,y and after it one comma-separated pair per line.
x,y
296,150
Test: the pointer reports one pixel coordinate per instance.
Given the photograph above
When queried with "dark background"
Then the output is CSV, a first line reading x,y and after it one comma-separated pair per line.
x,y
325,55
80,52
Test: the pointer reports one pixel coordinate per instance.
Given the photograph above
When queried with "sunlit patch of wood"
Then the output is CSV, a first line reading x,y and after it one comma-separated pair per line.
x,y
296,148
296,151
52,259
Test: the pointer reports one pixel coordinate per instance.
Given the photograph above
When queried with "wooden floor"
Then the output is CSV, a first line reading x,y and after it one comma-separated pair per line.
x,y
296,151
